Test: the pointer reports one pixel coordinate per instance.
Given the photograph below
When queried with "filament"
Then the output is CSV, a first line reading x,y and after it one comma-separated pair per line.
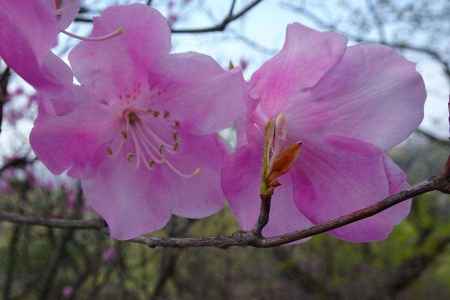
x,y
108,36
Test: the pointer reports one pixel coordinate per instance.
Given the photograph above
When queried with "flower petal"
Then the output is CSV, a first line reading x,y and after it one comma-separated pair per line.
x,y
68,11
198,92
200,195
373,94
132,201
115,65
241,177
28,31
73,141
341,175
306,57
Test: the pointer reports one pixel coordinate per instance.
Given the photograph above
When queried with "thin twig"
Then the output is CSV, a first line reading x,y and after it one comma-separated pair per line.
x,y
229,18
243,238
56,260
264,212
4,80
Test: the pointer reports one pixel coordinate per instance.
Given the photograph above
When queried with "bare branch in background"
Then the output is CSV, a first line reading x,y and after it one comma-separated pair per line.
x,y
379,24
412,269
13,248
60,253
17,163
229,18
4,80
221,26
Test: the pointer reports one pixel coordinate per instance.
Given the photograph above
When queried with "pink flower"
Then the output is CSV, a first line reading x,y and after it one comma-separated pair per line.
x,y
141,129
347,105
28,30
67,291
109,254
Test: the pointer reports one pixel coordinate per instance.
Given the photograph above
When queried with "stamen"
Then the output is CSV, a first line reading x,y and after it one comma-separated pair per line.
x,y
130,156
148,131
149,147
136,148
151,163
178,172
108,36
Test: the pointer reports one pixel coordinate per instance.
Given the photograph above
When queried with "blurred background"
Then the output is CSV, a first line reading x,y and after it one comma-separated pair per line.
x,y
413,263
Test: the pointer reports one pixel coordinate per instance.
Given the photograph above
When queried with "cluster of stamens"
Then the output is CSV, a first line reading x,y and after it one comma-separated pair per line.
x,y
149,148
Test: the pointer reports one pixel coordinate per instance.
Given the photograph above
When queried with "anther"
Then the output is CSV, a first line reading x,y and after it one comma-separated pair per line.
x,y
132,118
124,134
130,156
156,114
166,114
109,151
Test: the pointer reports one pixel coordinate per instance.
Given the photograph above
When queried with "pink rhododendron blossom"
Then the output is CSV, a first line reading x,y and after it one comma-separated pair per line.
x,y
347,106
28,30
141,129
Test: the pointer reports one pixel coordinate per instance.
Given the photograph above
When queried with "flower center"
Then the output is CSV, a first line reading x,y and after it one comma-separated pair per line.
x,y
149,137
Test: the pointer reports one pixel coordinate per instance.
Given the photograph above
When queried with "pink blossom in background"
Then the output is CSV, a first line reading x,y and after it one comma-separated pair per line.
x,y
348,106
67,291
109,254
140,131
28,30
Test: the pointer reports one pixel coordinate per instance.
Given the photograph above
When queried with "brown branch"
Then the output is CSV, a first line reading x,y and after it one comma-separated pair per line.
x,y
243,238
59,256
221,26
11,262
4,80
14,247
264,212
438,183
52,222
169,260
16,163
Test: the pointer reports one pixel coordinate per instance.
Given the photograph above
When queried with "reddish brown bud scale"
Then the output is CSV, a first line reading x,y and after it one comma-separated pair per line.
x,y
282,163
